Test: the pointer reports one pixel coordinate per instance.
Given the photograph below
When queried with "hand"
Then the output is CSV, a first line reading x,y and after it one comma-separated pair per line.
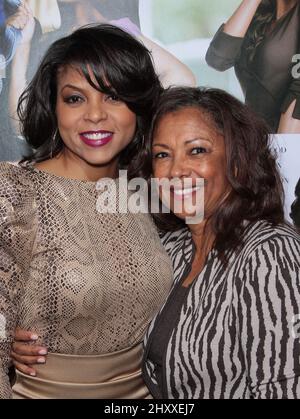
x,y
23,20
25,353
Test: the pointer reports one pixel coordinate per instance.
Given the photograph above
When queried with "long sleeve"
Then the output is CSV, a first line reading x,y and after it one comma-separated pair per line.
x,y
17,236
270,313
293,93
224,50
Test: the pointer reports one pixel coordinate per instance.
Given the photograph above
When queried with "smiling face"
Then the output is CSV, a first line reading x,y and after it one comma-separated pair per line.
x,y
186,145
95,127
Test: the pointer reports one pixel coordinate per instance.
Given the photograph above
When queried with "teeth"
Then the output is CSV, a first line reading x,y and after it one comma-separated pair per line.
x,y
97,136
183,192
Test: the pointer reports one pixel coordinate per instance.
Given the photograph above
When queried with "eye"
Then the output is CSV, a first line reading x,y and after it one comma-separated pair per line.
x,y
198,150
113,98
73,99
161,155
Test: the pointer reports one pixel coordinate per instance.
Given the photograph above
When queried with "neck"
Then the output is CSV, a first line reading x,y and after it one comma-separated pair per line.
x,y
202,236
284,6
72,167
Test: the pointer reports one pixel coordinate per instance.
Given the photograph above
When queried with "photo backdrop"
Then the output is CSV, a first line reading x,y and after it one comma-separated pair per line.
x,y
185,28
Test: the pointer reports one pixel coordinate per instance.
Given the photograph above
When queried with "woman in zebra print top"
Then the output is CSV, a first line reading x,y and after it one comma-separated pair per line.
x,y
230,327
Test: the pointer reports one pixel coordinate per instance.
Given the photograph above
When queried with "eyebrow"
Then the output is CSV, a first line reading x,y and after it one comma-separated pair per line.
x,y
186,142
71,86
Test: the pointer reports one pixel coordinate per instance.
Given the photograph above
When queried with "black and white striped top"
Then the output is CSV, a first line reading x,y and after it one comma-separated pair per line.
x,y
237,334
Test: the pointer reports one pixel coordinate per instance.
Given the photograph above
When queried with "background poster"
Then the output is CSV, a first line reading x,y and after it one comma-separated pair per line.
x,y
288,149
22,50
185,28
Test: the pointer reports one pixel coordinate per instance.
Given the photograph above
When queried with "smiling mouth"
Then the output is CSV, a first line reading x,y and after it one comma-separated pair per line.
x,y
185,192
96,138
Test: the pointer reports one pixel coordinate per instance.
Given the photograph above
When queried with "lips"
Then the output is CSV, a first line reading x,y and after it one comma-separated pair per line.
x,y
96,138
184,193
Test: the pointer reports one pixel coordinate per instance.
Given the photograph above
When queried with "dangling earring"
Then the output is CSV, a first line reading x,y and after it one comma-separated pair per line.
x,y
54,143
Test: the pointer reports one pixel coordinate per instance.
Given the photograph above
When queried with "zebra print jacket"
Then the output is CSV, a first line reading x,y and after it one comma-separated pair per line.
x,y
237,334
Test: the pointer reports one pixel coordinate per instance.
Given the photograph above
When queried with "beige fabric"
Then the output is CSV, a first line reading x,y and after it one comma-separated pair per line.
x,y
111,376
87,283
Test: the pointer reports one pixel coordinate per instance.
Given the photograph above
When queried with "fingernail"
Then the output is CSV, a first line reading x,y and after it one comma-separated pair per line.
x,y
34,337
43,352
41,361
33,374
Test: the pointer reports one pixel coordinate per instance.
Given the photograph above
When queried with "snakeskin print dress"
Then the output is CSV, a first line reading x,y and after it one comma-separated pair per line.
x,y
87,283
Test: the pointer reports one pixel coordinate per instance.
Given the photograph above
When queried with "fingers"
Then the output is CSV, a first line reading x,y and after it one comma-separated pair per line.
x,y
28,350
25,335
27,360
24,369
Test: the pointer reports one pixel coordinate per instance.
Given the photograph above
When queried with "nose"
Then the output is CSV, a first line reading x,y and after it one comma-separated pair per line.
x,y
179,168
96,112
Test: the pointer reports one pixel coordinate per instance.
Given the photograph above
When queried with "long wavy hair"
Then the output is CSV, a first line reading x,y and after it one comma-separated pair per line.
x,y
121,65
256,191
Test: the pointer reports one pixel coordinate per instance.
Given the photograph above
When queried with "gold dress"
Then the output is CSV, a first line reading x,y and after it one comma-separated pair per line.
x,y
87,283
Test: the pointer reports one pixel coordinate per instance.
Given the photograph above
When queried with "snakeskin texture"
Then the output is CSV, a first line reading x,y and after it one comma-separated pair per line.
x,y
87,283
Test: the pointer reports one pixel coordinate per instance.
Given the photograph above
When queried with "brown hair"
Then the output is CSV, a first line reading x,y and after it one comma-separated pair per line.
x,y
256,188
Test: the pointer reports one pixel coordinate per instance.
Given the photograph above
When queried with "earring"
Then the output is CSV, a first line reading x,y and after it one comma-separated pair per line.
x,y
54,143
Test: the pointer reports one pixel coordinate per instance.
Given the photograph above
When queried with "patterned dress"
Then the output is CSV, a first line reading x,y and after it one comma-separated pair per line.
x,y
87,283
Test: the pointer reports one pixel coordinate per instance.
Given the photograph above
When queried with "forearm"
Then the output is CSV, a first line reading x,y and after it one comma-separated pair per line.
x,y
288,124
171,71
238,24
18,81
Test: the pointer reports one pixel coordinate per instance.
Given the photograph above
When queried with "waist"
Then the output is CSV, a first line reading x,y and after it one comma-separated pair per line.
x,y
110,376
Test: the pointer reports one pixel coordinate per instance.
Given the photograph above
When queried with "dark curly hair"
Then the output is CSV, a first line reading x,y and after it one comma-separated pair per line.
x,y
121,65
256,187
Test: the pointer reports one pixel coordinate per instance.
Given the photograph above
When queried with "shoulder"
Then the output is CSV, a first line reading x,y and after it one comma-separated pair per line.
x,y
16,186
179,246
261,232
173,239
267,243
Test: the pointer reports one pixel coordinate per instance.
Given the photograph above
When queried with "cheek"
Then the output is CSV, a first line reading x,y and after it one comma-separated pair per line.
x,y
127,121
65,117
159,169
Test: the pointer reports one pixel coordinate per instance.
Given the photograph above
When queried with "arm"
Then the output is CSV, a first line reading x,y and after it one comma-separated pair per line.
x,y
269,312
24,21
170,70
238,24
288,124
17,235
226,44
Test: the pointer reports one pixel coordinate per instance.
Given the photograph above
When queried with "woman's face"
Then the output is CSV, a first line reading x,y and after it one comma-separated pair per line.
x,y
186,145
94,127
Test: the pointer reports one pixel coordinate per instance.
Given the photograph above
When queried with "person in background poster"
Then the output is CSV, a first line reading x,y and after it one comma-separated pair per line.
x,y
64,16
261,40
295,209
